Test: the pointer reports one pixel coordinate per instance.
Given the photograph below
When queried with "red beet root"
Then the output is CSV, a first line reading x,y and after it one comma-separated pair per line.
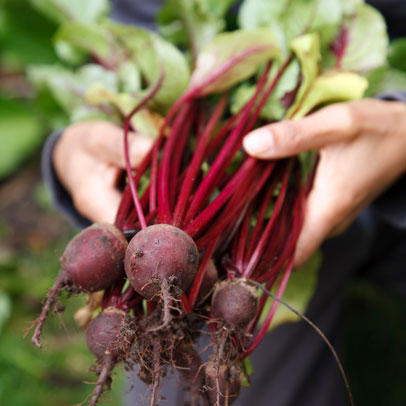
x,y
235,301
158,255
105,341
93,260
102,334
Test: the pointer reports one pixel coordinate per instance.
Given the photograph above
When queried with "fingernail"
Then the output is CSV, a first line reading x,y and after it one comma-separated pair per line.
x,y
259,142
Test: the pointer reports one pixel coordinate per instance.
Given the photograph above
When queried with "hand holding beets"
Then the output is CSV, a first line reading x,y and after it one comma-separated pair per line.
x,y
89,159
362,147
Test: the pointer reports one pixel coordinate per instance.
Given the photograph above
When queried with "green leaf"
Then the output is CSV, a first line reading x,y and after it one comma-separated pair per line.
x,y
5,308
129,77
299,291
292,18
68,88
383,79
368,40
146,122
230,58
397,54
75,40
307,50
25,36
151,54
21,133
62,11
331,87
193,23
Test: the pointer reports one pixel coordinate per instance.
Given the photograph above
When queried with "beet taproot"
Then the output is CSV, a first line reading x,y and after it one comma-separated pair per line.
x,y
93,260
235,301
161,254
223,384
104,338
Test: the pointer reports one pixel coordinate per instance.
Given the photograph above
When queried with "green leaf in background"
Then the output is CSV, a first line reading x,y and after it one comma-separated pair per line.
x,y
68,88
75,40
383,79
231,57
307,50
397,54
196,20
5,308
367,40
129,77
300,289
146,122
292,18
25,36
21,133
331,87
62,11
151,54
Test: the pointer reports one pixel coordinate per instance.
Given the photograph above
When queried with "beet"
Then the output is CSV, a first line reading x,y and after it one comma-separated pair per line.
x,y
235,301
102,334
223,384
105,340
93,260
161,254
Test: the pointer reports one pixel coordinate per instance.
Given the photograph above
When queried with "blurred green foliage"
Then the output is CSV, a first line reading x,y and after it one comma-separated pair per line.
x,y
32,236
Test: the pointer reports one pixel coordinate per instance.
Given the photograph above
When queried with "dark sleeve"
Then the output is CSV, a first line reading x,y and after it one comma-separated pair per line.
x,y
391,205
61,199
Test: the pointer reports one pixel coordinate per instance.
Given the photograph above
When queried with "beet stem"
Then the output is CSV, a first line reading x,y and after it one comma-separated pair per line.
x,y
51,297
264,238
196,162
206,187
164,210
194,291
127,124
264,328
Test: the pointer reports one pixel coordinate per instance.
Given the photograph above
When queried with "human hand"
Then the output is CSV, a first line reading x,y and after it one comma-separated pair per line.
x,y
88,160
362,146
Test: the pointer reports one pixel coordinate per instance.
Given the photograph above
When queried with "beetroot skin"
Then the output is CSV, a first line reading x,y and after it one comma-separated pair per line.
x,y
103,334
236,301
161,254
94,259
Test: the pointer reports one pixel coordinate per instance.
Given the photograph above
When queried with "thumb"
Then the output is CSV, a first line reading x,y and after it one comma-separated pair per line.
x,y
287,138
97,199
107,142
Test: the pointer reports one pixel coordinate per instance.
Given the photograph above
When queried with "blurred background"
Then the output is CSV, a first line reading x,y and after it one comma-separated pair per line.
x,y
33,236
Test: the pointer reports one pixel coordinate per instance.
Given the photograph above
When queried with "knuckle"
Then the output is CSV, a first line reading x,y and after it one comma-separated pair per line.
x,y
347,114
285,135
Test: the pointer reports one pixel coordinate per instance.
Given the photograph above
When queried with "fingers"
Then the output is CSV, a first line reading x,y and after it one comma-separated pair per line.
x,y
106,141
97,199
286,138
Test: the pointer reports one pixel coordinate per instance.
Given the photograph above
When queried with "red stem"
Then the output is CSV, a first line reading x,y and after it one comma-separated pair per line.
x,y
264,238
164,210
264,328
209,212
127,123
194,291
196,162
206,186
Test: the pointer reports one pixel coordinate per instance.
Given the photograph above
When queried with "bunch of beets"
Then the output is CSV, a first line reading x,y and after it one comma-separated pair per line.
x,y
210,221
